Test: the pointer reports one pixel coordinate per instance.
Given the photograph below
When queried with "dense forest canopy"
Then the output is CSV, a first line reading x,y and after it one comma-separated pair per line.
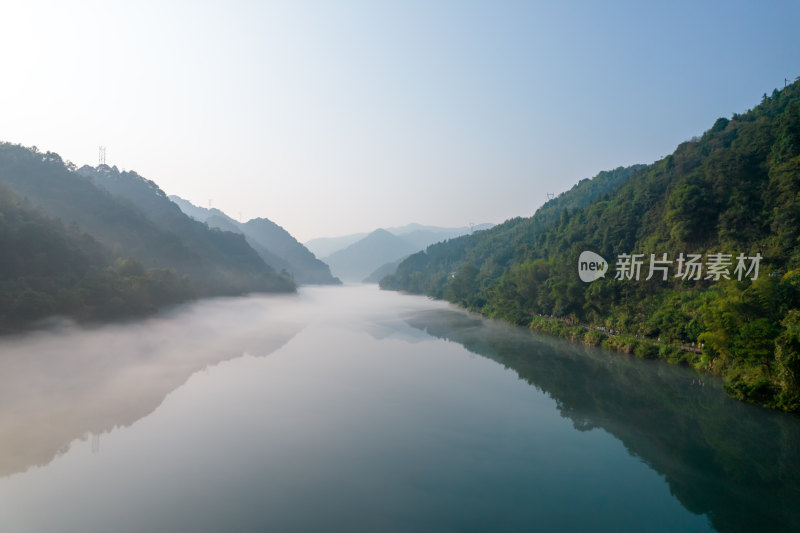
x,y
221,262
48,268
72,247
734,191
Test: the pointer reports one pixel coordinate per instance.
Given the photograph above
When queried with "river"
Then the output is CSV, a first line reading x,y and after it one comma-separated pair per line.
x,y
353,409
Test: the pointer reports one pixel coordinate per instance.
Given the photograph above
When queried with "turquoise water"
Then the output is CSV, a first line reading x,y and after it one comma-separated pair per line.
x,y
352,409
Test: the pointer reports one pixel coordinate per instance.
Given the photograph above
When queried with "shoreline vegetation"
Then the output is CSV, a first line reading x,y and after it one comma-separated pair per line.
x,y
732,193
641,347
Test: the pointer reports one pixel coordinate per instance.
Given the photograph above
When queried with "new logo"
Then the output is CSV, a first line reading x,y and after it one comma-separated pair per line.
x,y
591,266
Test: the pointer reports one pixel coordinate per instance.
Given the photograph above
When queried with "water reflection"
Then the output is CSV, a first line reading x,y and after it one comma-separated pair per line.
x,y
369,419
737,463
72,383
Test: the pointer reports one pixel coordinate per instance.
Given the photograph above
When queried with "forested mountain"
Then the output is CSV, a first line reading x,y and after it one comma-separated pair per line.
x,y
302,264
377,254
59,191
223,260
47,268
273,243
731,197
215,262
362,258
215,218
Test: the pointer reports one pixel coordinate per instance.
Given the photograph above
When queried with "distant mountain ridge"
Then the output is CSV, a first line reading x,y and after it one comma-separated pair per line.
x,y
416,234
361,258
379,252
325,246
273,243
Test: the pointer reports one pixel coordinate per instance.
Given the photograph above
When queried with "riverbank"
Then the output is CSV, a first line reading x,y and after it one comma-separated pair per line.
x,y
673,353
641,347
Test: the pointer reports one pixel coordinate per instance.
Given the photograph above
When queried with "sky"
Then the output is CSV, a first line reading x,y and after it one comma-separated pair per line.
x,y
337,117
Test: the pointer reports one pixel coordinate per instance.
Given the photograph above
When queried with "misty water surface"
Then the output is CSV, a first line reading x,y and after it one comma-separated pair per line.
x,y
352,409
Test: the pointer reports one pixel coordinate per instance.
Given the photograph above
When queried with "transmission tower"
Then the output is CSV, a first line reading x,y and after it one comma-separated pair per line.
x,y
102,155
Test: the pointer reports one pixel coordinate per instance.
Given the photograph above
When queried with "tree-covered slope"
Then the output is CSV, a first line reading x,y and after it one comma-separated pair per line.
x,y
430,271
61,192
215,218
224,259
273,243
127,231
302,264
48,269
735,191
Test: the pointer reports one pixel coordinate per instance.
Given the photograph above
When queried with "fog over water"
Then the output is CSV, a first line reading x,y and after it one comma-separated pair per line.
x,y
354,409
71,382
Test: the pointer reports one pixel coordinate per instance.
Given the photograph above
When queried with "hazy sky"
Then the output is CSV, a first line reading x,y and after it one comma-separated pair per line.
x,y
343,116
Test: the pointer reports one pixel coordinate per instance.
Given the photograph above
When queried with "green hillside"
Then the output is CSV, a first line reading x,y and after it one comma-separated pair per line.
x,y
273,243
432,271
49,269
221,261
735,191
216,263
